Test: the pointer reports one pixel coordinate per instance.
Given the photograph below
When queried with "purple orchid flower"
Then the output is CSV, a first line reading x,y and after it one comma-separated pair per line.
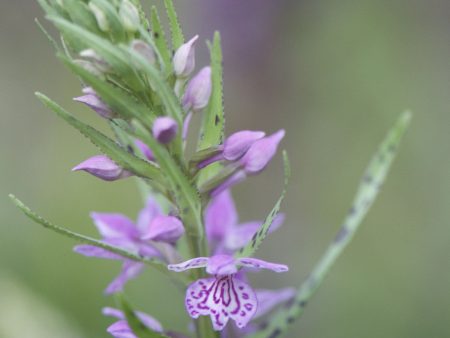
x,y
103,167
184,58
145,150
224,296
164,129
121,329
93,101
152,228
222,225
198,91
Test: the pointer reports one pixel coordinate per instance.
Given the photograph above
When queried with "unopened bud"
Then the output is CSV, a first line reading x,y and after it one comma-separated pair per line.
x,y
237,144
198,91
164,129
129,16
94,102
102,167
145,50
100,17
184,58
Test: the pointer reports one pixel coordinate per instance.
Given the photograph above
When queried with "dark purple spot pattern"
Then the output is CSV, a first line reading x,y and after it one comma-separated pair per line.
x,y
221,298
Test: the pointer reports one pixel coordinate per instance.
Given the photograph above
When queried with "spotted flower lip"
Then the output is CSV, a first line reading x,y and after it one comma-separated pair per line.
x,y
118,230
224,296
103,167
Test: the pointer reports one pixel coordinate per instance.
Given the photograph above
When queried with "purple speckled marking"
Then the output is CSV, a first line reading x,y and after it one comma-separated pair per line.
x,y
221,298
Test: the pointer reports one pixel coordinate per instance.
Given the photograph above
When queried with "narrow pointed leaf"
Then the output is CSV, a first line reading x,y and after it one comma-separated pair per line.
x,y
262,232
160,40
49,37
175,28
138,328
368,189
107,146
212,128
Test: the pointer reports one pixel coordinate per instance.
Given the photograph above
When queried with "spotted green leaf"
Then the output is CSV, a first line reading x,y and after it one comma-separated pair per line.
x,y
262,232
368,189
160,40
107,146
175,28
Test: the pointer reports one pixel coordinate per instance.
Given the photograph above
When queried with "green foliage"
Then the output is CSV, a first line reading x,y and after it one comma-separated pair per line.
x,y
160,40
262,232
367,191
107,146
175,28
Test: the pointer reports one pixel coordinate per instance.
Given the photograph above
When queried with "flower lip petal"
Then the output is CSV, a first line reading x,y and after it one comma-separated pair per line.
x,y
237,144
255,263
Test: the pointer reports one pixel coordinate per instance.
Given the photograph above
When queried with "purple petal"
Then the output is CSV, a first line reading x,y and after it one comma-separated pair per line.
x,y
260,264
221,265
94,251
149,321
164,129
95,103
269,299
121,329
102,167
199,262
147,214
198,91
145,50
236,178
220,216
114,225
238,143
165,229
130,270
145,150
184,58
111,312
221,298
261,152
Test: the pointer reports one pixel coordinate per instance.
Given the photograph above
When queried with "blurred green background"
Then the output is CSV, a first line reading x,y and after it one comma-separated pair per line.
x,y
335,75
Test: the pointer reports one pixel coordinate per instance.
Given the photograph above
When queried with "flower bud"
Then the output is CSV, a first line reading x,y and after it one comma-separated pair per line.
x,y
261,152
144,149
144,50
198,91
89,67
164,129
94,102
165,229
102,167
129,16
184,58
96,60
237,144
100,17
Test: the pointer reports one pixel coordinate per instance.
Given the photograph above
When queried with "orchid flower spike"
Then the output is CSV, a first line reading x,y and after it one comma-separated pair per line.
x,y
93,101
224,296
164,129
152,227
198,91
184,59
103,167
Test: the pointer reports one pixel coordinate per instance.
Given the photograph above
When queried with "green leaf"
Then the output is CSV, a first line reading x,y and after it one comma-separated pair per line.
x,y
368,189
187,198
261,234
160,40
116,28
212,129
81,15
49,37
107,146
136,325
85,239
175,28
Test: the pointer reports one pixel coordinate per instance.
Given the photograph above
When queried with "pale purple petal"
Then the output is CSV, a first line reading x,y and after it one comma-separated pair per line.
x,y
130,270
238,236
102,167
199,262
184,58
165,229
234,179
261,152
210,160
149,321
114,225
220,216
237,144
112,312
198,91
221,265
121,329
269,299
221,298
94,251
164,129
254,263
147,214
145,150
145,50
96,104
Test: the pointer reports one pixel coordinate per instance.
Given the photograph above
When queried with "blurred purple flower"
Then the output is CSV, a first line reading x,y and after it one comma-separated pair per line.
x,y
164,129
118,230
198,91
103,167
93,101
184,58
121,329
